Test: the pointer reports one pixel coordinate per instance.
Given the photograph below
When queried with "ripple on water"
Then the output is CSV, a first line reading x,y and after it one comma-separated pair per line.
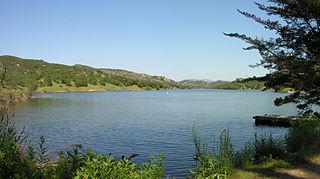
x,y
147,122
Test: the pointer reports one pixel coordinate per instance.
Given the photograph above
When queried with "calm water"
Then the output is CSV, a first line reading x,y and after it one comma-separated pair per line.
x,y
147,122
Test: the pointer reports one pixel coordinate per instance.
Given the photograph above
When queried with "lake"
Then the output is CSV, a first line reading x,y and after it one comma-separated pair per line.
x,y
147,122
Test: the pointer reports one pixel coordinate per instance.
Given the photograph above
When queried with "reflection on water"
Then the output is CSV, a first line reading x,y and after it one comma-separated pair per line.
x,y
147,122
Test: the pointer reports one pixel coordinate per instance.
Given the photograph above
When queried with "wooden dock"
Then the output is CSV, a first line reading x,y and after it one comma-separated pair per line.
x,y
274,120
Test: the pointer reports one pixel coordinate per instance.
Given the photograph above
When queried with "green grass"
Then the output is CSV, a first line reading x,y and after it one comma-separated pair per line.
x,y
64,88
215,161
266,169
265,157
285,90
279,169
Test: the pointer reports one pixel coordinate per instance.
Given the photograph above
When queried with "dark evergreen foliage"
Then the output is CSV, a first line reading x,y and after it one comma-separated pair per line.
x,y
293,56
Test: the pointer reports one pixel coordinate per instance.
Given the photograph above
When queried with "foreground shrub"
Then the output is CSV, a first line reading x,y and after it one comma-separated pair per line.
x,y
244,157
269,147
74,163
303,139
221,161
7,127
99,166
215,163
12,162
69,162
304,135
9,157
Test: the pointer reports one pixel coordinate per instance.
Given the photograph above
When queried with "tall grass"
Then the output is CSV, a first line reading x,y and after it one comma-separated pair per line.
x,y
245,156
303,139
301,142
219,160
269,147
215,162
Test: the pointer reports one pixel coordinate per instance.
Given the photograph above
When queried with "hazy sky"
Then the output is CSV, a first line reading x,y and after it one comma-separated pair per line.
x,y
179,39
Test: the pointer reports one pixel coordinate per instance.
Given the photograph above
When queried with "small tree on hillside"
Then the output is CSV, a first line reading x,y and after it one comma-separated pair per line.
x,y
3,73
293,56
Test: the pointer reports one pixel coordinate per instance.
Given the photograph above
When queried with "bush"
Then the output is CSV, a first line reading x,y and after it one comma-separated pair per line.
x,y
303,139
304,135
99,166
12,163
243,158
69,162
216,163
269,147
9,157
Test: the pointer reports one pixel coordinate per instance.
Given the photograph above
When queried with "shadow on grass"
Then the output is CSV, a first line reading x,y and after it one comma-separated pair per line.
x,y
269,172
311,167
307,170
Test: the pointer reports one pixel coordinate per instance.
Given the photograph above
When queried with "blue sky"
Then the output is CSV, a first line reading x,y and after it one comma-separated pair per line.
x,y
179,39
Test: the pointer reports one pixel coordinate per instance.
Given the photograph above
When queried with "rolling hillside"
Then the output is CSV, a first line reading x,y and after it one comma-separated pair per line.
x,y
40,75
238,84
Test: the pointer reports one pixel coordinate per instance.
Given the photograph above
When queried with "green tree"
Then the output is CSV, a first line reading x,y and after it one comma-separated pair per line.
x,y
293,56
3,72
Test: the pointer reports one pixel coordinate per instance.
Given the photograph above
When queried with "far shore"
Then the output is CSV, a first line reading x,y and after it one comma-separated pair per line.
x,y
129,88
92,88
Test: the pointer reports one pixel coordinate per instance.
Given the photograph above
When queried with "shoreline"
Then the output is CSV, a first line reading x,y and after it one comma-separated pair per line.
x,y
141,89
96,90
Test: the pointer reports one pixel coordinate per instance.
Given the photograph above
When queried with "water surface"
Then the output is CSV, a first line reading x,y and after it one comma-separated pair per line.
x,y
147,122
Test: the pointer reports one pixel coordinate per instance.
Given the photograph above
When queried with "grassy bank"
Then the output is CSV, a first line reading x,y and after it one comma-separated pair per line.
x,y
280,169
296,155
108,87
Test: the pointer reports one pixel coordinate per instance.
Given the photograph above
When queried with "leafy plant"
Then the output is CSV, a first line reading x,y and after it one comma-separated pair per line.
x,y
244,157
99,166
9,157
42,153
69,162
12,163
267,146
215,163
303,138
30,153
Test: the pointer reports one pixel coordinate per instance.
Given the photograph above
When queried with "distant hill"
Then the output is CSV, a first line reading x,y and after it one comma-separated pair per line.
x,y
234,85
136,76
38,74
42,76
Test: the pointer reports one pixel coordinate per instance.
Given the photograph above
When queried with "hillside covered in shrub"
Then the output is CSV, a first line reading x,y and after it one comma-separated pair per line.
x,y
241,84
42,76
37,74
